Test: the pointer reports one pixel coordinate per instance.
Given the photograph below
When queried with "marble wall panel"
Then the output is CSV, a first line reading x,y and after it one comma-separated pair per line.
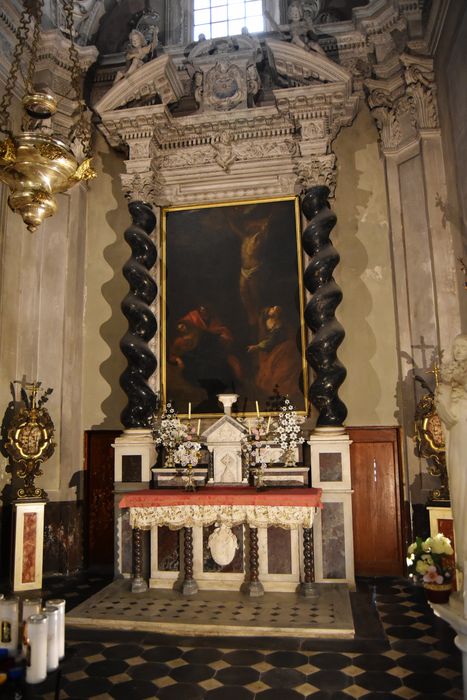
x,y
28,570
333,540
330,466
63,537
279,551
168,549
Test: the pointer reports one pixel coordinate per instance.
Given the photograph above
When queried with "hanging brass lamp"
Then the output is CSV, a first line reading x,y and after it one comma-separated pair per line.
x,y
35,164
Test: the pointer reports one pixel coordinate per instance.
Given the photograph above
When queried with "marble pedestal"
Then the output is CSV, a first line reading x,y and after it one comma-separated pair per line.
x,y
134,456
333,526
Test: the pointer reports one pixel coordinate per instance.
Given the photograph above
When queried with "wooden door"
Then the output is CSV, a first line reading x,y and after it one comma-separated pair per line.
x,y
99,465
377,501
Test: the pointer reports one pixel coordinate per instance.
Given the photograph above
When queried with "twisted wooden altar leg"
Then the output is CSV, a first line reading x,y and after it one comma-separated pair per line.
x,y
308,587
138,585
255,587
190,587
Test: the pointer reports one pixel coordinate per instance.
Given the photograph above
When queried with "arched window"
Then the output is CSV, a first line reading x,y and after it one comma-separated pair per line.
x,y
216,18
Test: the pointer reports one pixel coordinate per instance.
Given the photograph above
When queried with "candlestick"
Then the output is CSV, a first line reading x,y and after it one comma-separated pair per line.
x,y
60,604
36,670
189,411
52,636
9,625
257,409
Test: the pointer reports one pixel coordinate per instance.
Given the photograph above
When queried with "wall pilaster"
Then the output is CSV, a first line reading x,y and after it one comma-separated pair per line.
x,y
404,105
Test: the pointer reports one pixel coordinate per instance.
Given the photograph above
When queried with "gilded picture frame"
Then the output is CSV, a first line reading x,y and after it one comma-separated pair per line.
x,y
232,306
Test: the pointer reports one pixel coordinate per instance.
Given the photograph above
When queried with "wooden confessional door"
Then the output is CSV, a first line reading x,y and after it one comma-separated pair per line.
x,y
99,506
377,502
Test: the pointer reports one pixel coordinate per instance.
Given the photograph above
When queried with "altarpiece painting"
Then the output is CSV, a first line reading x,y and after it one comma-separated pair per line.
x,y
233,305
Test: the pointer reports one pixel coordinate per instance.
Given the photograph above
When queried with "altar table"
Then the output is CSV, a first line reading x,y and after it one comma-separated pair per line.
x,y
229,506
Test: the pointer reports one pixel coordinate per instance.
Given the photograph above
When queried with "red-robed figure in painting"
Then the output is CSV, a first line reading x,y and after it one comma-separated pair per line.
x,y
202,351
278,358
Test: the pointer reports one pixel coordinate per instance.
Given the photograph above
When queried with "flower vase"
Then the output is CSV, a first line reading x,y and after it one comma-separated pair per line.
x,y
189,478
169,460
437,592
288,457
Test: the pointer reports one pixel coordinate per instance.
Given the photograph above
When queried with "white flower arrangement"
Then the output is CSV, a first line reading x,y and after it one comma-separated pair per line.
x,y
168,430
288,432
177,438
256,437
187,453
430,560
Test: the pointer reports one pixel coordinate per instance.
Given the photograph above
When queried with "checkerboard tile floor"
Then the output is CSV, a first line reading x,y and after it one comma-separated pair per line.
x,y
411,654
167,611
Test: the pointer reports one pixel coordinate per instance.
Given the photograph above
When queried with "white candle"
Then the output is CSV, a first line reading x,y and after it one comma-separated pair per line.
x,y
257,409
52,637
60,604
31,606
36,669
189,411
269,423
198,432
9,625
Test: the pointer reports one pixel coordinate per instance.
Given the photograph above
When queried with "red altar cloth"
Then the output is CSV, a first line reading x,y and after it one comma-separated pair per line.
x,y
223,496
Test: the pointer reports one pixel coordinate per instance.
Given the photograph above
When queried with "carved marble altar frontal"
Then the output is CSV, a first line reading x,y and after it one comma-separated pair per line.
x,y
278,516
233,304
287,508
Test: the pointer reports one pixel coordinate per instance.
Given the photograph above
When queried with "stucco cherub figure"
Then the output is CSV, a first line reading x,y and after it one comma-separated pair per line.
x,y
137,51
451,405
224,156
300,28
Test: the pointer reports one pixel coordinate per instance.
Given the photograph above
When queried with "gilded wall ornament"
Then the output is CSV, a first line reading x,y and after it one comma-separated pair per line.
x,y
30,441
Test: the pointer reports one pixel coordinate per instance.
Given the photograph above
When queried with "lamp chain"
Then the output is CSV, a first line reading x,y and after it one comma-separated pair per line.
x,y
21,37
35,43
78,130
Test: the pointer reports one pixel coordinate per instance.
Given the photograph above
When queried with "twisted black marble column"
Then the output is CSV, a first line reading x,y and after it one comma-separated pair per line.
x,y
142,324
319,312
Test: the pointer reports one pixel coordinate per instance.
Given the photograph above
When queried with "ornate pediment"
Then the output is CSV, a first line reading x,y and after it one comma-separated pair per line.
x,y
304,67
157,78
224,430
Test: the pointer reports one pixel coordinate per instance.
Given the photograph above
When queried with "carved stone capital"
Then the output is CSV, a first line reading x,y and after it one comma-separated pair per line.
x,y
405,102
317,170
420,80
140,187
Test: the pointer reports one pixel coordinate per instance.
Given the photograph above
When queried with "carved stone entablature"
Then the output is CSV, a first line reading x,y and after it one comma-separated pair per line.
x,y
139,148
404,103
159,77
317,170
235,154
319,112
